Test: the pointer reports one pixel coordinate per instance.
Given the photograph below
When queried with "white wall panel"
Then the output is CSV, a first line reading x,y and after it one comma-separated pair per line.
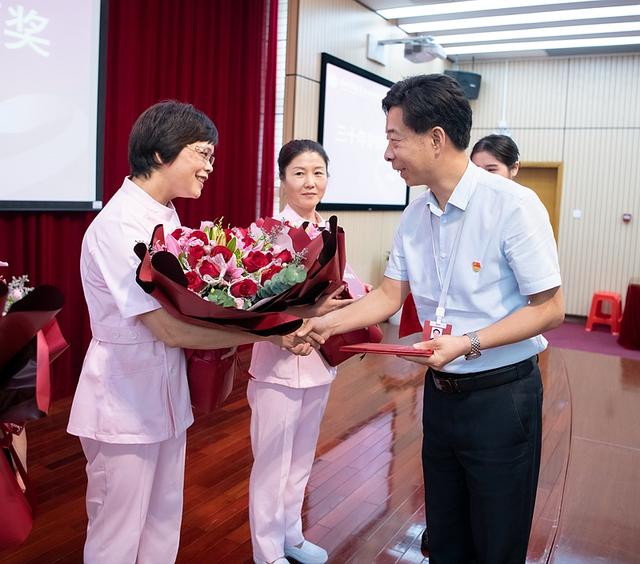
x,y
599,251
535,145
530,94
604,92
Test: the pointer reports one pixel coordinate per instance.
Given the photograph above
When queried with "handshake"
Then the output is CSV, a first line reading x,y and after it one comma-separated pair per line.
x,y
311,335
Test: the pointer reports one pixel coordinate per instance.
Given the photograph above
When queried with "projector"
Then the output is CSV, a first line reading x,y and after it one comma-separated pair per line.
x,y
423,50
417,49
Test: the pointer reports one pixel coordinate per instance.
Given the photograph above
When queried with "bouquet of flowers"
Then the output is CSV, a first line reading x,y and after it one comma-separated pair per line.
x,y
243,278
31,339
236,267
239,277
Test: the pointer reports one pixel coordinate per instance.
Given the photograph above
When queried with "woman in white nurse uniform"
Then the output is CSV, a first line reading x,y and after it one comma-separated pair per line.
x,y
131,407
288,394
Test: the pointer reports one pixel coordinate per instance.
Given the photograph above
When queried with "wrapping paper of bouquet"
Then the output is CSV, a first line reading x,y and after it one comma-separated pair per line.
x,y
244,278
30,340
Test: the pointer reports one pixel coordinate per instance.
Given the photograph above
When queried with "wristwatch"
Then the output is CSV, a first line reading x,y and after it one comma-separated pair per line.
x,y
475,346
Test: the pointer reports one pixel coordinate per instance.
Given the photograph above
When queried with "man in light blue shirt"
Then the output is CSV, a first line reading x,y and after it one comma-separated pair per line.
x,y
478,254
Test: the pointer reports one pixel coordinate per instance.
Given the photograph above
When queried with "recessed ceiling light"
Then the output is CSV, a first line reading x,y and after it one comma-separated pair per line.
x,y
519,19
538,32
542,45
467,6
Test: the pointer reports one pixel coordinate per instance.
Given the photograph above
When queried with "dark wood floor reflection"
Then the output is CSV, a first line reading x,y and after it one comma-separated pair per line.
x,y
365,498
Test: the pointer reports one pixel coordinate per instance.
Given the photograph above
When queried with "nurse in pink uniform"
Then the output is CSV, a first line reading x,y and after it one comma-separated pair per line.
x,y
132,407
288,393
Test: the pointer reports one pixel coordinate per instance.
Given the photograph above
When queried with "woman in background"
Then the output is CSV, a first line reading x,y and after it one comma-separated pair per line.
x,y
288,394
497,154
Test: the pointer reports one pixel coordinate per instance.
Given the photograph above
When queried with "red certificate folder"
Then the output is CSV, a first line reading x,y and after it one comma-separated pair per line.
x,y
385,348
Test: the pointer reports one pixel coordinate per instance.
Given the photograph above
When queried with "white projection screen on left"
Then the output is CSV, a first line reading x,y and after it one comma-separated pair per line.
x,y
50,104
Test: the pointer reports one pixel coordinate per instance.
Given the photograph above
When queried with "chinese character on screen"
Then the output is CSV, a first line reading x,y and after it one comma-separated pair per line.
x,y
22,30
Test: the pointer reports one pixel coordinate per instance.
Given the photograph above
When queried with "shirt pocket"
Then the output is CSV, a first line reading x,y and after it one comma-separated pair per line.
x,y
137,402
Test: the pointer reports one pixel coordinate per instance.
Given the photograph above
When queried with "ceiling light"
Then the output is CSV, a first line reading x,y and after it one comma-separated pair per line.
x,y
539,32
542,45
520,19
466,6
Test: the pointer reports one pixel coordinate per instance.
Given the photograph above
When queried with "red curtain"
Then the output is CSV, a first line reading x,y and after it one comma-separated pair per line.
x,y
216,54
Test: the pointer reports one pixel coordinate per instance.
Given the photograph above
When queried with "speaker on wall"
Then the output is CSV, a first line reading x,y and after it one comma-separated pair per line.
x,y
469,81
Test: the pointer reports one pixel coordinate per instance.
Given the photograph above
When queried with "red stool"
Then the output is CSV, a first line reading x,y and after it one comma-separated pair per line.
x,y
596,315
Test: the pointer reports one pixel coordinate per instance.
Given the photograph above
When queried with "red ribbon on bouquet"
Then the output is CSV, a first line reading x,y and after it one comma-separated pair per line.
x,y
50,345
32,317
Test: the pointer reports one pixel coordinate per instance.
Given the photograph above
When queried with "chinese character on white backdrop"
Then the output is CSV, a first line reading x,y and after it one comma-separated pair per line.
x,y
25,27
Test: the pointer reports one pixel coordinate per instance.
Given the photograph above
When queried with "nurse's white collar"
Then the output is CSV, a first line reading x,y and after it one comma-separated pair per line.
x,y
146,201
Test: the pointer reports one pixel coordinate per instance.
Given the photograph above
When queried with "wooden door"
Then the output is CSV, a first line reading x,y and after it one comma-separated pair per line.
x,y
545,180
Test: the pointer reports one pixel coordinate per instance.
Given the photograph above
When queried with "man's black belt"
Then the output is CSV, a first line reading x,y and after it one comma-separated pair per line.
x,y
468,382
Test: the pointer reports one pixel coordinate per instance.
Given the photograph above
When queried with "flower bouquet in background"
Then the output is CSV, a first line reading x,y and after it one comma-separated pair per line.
x,y
30,340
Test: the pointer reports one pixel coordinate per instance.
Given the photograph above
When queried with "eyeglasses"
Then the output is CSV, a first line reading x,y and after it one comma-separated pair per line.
x,y
206,154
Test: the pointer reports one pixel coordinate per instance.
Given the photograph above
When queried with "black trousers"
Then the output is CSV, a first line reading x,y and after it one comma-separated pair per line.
x,y
481,459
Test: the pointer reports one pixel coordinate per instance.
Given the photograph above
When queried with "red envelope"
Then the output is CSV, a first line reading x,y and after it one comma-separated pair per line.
x,y
385,348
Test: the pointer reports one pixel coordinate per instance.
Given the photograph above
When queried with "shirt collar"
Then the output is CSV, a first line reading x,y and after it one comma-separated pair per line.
x,y
461,193
291,215
151,206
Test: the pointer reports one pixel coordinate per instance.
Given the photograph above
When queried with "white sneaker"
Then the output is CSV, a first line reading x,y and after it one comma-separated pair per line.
x,y
281,560
308,553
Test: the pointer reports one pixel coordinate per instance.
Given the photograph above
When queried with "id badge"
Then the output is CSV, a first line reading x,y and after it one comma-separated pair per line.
x,y
433,329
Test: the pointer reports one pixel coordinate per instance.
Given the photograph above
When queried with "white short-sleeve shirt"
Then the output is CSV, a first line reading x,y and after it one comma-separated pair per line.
x,y
506,252
132,388
270,363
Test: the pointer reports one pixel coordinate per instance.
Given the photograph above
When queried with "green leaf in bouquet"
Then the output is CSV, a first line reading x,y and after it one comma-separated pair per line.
x,y
221,298
231,245
184,263
289,276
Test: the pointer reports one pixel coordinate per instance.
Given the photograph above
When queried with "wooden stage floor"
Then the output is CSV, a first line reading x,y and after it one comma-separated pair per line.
x,y
365,498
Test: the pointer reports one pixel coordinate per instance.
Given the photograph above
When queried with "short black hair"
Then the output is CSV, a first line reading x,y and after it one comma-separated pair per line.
x,y
296,147
430,100
502,147
165,129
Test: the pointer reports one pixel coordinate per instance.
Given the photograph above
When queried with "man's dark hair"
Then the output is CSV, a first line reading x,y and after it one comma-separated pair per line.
x,y
501,147
296,147
165,129
431,100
